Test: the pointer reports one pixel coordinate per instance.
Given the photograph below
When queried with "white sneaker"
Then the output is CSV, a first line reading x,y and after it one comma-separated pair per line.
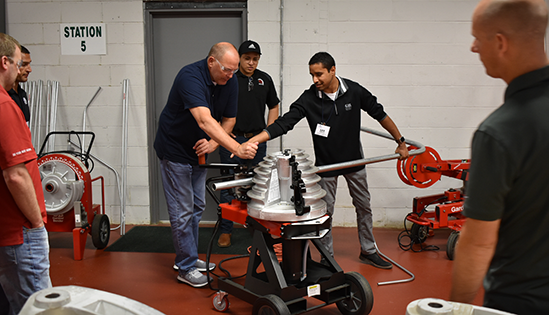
x,y
200,265
193,278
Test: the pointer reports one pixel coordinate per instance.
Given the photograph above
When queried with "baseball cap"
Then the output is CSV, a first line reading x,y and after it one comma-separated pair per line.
x,y
249,46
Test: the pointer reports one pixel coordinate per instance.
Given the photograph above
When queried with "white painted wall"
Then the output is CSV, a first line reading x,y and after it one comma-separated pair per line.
x,y
414,55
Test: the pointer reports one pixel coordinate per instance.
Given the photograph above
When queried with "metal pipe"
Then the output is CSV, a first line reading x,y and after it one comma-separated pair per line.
x,y
39,121
399,266
109,167
84,118
337,166
53,121
232,183
125,90
48,109
281,68
333,167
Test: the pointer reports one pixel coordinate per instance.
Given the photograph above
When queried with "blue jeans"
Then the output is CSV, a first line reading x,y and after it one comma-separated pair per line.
x,y
225,157
25,268
185,191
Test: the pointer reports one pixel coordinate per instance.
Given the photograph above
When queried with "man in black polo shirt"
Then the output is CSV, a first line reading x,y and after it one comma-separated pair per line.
x,y
255,91
17,93
333,108
505,241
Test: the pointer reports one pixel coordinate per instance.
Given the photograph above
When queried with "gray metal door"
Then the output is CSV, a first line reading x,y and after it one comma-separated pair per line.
x,y
176,37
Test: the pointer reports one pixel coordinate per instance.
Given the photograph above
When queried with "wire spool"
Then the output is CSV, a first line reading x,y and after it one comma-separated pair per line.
x,y
62,182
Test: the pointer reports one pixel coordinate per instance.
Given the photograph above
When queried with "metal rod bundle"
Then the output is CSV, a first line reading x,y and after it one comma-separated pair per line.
x,y
37,123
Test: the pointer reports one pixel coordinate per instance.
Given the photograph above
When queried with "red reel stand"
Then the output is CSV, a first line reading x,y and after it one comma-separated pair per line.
x,y
423,171
68,196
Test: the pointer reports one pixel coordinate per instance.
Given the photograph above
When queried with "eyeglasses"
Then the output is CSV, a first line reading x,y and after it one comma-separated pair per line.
x,y
250,84
226,70
19,64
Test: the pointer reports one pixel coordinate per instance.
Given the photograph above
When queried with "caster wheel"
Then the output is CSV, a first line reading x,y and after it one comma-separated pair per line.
x,y
100,231
419,233
361,297
451,245
270,305
221,302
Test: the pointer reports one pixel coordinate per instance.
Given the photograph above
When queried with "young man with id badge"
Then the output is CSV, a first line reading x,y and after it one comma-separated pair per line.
x,y
332,107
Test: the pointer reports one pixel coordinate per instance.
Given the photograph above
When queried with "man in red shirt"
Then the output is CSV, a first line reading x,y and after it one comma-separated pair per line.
x,y
24,248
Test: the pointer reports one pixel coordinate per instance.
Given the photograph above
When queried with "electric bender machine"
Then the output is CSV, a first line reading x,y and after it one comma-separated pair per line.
x,y
67,186
423,171
281,202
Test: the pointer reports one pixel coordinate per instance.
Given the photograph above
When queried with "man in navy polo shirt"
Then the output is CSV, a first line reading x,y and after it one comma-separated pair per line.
x,y
198,117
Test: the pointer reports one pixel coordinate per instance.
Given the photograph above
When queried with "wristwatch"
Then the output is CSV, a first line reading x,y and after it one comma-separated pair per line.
x,y
401,140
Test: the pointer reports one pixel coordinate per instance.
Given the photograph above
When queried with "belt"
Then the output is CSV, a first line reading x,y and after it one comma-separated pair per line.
x,y
246,134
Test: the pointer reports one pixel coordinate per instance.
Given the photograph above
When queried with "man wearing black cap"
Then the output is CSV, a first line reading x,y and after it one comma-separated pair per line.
x,y
255,91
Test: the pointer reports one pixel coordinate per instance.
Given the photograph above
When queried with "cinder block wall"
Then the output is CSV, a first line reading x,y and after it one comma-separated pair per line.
x,y
36,24
414,55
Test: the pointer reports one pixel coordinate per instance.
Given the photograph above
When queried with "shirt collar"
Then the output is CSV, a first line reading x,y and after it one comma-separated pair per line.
x,y
340,91
527,80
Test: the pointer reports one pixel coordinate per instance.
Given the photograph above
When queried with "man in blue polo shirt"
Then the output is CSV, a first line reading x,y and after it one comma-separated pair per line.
x,y
198,117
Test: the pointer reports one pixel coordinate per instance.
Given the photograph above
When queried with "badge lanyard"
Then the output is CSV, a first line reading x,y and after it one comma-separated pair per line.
x,y
322,129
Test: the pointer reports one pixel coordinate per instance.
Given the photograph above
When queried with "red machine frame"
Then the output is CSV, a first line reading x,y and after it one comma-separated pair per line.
x,y
423,171
92,218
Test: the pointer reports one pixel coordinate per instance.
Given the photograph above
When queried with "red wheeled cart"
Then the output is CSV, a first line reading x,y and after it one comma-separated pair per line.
x,y
67,187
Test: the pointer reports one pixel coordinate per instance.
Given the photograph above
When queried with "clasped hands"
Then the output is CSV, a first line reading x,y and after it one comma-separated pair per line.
x,y
246,150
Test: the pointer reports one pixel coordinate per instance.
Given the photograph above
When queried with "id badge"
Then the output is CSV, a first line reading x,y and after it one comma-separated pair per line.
x,y
322,130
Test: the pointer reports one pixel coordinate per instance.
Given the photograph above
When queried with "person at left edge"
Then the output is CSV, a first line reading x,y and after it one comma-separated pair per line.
x,y
198,117
24,247
17,93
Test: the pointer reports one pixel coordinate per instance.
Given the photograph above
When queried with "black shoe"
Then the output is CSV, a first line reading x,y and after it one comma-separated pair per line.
x,y
375,260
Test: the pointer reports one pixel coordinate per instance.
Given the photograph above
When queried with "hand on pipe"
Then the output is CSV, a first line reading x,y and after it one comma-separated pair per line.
x,y
403,151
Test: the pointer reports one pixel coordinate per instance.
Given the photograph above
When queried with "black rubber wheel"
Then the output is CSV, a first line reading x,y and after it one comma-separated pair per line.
x,y
419,233
270,305
361,299
100,231
221,304
451,245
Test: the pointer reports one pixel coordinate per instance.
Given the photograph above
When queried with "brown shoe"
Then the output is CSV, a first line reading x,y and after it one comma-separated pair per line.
x,y
224,240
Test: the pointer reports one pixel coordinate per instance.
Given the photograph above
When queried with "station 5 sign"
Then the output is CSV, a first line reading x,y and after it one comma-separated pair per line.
x,y
83,39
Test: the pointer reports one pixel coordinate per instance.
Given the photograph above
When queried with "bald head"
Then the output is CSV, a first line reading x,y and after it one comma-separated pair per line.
x,y
219,50
510,36
223,61
516,19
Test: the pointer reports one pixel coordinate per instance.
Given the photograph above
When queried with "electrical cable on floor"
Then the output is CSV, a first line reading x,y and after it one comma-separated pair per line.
x,y
416,237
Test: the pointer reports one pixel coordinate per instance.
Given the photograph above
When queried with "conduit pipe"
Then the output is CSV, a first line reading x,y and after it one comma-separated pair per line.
x,y
84,117
125,94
